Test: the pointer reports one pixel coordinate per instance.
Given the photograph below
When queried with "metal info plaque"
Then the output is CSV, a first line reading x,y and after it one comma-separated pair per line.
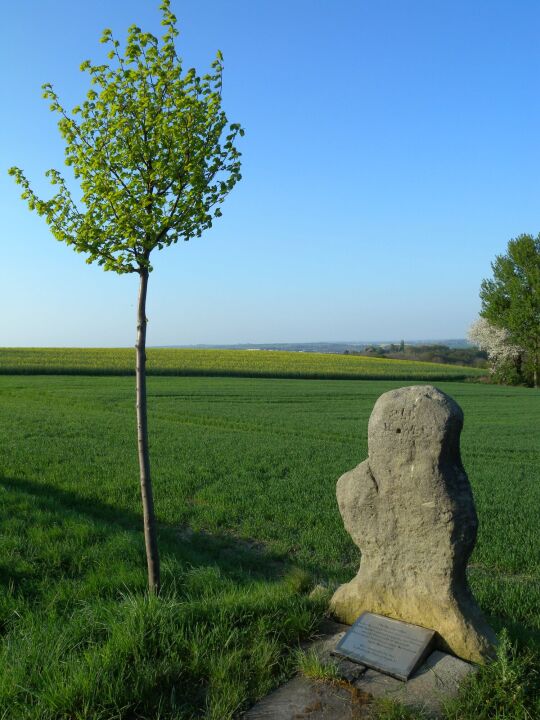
x,y
390,646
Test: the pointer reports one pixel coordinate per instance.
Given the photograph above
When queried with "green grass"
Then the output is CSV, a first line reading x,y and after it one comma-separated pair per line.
x,y
227,363
310,665
244,476
506,689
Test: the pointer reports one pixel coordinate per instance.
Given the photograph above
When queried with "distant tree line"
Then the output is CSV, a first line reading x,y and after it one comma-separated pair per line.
x,y
473,357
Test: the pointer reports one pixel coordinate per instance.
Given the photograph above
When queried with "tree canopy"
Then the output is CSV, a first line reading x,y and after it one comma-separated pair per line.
x,y
151,147
511,299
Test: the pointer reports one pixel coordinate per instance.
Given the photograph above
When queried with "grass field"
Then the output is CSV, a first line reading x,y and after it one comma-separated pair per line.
x,y
244,476
228,363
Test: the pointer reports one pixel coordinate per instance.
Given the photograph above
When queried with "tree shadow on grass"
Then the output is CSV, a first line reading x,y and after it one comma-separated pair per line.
x,y
519,632
239,559
74,567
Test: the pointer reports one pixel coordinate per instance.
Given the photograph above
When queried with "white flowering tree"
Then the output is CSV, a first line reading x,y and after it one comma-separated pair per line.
x,y
495,341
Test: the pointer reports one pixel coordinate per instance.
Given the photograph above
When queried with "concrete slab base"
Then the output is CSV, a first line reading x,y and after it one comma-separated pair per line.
x,y
303,699
437,680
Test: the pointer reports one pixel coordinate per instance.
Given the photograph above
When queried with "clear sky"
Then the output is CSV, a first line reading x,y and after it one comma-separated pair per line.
x,y
392,149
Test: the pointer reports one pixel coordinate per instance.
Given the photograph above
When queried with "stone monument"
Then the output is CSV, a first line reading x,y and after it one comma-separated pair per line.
x,y
410,509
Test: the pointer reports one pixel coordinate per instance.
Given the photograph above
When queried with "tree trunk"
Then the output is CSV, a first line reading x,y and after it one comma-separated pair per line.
x,y
519,366
150,534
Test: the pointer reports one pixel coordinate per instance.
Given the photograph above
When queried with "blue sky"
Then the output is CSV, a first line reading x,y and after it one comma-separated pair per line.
x,y
391,151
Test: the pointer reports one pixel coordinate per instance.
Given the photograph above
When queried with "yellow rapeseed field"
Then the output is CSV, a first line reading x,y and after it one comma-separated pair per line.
x,y
239,363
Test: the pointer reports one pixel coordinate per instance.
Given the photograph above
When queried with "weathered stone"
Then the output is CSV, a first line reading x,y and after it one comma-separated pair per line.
x,y
410,510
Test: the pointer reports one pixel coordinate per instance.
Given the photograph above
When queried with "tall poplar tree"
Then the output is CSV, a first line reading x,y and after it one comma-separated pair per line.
x,y
155,157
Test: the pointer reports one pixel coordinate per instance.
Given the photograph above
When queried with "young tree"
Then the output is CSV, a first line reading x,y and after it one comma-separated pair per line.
x,y
511,300
155,157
